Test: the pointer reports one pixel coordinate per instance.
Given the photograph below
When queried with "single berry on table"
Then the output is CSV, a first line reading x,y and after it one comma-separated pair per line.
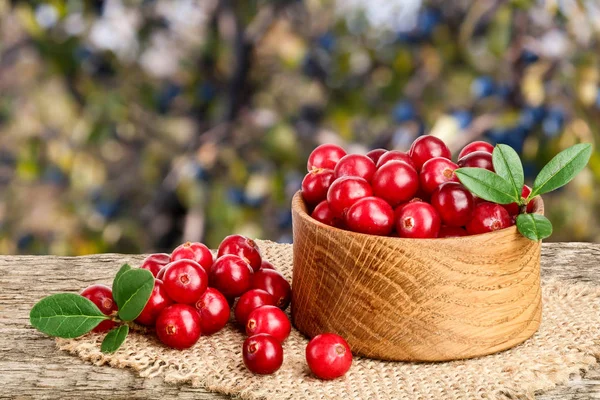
x,y
451,232
250,301
213,309
477,159
488,217
395,155
376,154
185,281
325,156
315,185
197,252
158,301
476,146
262,354
323,213
101,296
274,283
155,262
427,147
328,356
395,182
355,165
270,320
371,215
241,246
454,203
178,326
436,171
346,191
231,275
418,220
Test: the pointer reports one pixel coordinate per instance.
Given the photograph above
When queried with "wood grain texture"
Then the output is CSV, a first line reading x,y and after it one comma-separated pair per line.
x,y
415,299
32,368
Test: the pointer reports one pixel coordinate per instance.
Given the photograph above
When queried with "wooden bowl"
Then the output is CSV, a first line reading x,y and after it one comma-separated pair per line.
x,y
415,299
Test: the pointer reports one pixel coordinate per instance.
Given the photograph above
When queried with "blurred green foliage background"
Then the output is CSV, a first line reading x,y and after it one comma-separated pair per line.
x,y
129,126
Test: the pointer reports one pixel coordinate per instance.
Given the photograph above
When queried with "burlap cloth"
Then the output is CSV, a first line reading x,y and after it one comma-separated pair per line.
x,y
567,343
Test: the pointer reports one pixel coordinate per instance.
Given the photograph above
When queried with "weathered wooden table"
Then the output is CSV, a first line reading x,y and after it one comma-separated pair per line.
x,y
31,367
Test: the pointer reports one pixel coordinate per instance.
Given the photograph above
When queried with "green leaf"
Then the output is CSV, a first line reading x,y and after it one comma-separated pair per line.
x,y
561,169
133,291
508,166
487,185
534,226
114,339
66,315
115,285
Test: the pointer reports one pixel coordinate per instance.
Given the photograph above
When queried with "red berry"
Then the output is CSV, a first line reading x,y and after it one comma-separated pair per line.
x,y
158,301
395,155
155,262
323,213
477,159
213,309
488,217
101,296
274,283
371,215
376,154
418,220
197,252
355,165
513,208
266,265
178,326
244,247
161,273
250,301
315,185
395,182
185,281
328,356
325,156
231,275
427,147
270,320
346,191
451,232
262,354
454,203
475,146
435,172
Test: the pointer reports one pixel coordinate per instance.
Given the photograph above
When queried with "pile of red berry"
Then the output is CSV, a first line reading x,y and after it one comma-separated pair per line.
x,y
410,195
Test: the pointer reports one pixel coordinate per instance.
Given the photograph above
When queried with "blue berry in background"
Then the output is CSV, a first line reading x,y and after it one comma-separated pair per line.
x,y
463,117
235,195
326,41
54,175
503,90
403,111
482,87
528,57
24,241
206,91
284,219
553,123
531,116
512,136
108,208
166,96
530,170
427,20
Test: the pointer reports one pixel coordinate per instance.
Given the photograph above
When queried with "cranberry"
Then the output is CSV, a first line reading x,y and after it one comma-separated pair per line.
x,y
454,203
185,281
161,273
323,213
325,156
270,320
371,215
488,217
155,262
262,354
397,156
451,232
315,185
427,147
157,302
376,154
418,220
355,165
477,159
395,182
328,356
435,172
231,275
250,301
197,252
475,146
266,265
274,283
213,309
244,247
178,326
346,191
101,296
513,208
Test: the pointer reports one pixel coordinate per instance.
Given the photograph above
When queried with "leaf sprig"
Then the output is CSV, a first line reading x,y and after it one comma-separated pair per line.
x,y
69,315
505,185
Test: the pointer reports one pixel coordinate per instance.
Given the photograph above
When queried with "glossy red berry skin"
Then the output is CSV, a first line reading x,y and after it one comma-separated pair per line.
x,y
101,296
376,154
436,171
178,326
395,155
274,283
395,182
315,185
477,159
197,252
270,320
346,191
454,203
355,165
418,220
213,309
328,356
159,300
325,156
513,208
155,262
266,265
262,354
371,215
250,301
427,147
476,146
242,246
323,213
488,217
231,275
185,281
451,232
